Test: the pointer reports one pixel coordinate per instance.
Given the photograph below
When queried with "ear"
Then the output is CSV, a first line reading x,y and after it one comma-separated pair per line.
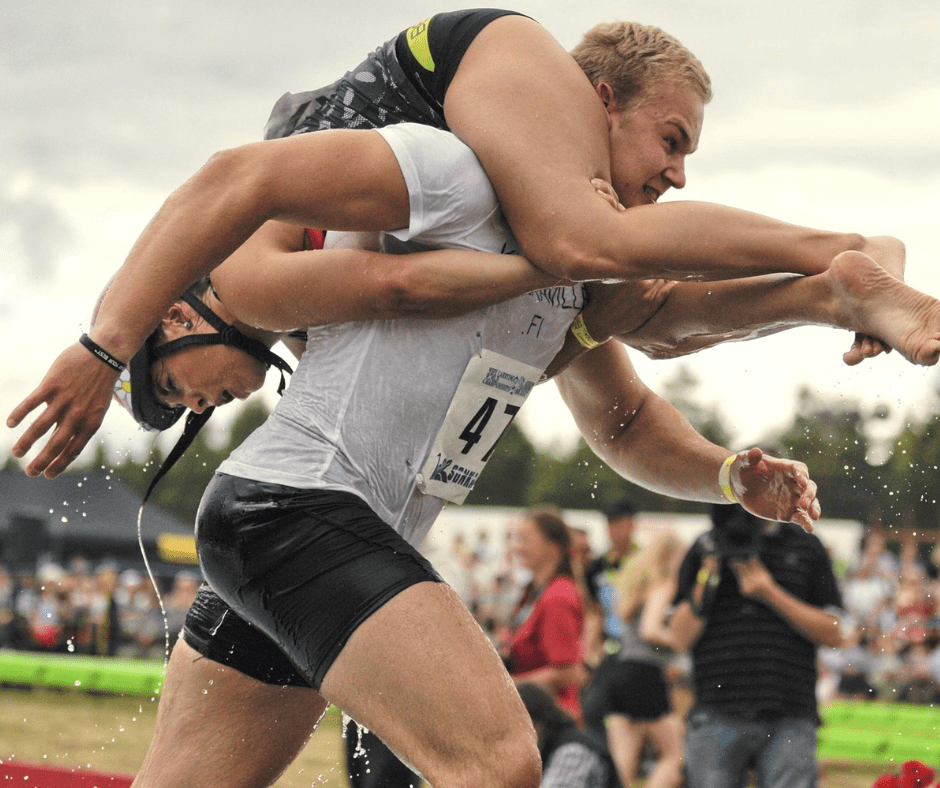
x,y
606,94
175,320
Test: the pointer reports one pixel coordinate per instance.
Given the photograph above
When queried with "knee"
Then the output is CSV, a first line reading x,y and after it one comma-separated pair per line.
x,y
511,762
521,767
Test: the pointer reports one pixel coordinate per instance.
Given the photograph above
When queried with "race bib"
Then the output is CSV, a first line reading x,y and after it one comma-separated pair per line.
x,y
490,393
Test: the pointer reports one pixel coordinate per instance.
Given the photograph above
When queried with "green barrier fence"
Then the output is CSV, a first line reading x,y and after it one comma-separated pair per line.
x,y
92,674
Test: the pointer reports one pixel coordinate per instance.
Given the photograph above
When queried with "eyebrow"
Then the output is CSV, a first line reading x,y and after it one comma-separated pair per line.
x,y
683,132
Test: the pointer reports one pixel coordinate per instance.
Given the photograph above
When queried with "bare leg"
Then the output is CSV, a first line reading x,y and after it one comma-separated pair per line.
x,y
216,726
666,735
855,293
625,743
422,675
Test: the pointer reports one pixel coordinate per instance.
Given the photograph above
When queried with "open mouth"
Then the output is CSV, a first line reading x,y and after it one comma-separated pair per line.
x,y
651,193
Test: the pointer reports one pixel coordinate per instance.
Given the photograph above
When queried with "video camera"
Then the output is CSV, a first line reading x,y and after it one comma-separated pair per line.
x,y
735,531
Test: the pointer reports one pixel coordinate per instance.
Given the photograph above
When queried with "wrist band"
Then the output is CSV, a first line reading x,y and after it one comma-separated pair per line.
x,y
99,352
724,479
703,575
582,334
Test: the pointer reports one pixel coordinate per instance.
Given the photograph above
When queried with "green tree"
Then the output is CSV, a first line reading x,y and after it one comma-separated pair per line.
x,y
831,439
908,483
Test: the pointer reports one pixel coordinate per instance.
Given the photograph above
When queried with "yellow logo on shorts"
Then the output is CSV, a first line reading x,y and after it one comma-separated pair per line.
x,y
419,46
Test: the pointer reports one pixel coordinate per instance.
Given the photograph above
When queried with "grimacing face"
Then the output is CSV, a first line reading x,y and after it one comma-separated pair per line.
x,y
649,144
210,375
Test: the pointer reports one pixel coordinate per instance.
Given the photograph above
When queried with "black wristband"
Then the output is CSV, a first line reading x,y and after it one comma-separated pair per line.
x,y
99,352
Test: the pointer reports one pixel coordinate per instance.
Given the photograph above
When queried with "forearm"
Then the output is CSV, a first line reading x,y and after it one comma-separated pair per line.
x,y
638,434
279,290
814,623
451,282
685,627
336,180
182,243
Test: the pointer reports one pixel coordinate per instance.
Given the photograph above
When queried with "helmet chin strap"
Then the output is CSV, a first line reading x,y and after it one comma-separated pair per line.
x,y
226,335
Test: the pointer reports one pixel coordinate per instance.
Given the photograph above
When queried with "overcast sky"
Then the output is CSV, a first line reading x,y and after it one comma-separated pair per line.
x,y
826,114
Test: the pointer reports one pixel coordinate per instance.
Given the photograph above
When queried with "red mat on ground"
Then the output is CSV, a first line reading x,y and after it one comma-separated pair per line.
x,y
24,775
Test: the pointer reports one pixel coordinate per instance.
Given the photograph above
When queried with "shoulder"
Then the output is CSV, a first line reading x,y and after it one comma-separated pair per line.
x,y
433,155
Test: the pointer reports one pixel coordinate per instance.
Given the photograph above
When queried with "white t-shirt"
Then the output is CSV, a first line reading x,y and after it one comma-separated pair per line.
x,y
366,408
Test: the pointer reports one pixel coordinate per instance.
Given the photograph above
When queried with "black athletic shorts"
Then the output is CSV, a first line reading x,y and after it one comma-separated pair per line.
x,y
637,690
304,567
403,81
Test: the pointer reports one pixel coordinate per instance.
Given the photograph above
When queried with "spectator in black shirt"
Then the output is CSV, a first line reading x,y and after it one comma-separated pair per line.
x,y
755,600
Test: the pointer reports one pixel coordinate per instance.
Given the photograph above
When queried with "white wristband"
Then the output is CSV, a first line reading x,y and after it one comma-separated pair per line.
x,y
724,479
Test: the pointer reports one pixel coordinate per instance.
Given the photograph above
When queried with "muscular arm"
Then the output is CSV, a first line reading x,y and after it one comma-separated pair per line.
x,y
646,440
334,180
330,180
271,282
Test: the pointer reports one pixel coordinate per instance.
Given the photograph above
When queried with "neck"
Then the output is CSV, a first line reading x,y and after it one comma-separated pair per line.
x,y
542,575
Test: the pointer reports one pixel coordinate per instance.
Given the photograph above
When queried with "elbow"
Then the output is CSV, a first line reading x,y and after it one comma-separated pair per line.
x,y
232,179
404,290
580,257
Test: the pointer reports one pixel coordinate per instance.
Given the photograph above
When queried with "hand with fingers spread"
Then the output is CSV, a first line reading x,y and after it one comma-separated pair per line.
x,y
76,391
774,489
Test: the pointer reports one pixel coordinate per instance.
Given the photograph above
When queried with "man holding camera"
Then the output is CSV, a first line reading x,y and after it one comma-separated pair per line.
x,y
754,601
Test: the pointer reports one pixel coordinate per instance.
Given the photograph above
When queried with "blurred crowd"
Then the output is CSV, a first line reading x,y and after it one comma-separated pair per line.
x,y
891,625
891,605
891,612
93,610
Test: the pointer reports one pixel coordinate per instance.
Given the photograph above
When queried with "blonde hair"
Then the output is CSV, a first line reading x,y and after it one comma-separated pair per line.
x,y
632,57
645,569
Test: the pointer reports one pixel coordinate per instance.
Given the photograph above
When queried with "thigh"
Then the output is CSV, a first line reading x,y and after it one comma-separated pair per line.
x,y
788,760
625,744
206,714
422,675
718,751
538,128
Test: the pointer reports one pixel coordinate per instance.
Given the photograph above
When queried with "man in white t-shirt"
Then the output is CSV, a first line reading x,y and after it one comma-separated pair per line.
x,y
392,418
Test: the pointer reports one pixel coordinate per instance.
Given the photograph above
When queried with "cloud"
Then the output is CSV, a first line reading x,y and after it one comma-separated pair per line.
x,y
36,235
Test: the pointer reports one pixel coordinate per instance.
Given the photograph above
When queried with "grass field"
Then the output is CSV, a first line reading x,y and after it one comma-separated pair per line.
x,y
111,733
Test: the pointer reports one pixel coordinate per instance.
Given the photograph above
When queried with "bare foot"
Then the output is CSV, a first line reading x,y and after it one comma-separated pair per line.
x,y
875,303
